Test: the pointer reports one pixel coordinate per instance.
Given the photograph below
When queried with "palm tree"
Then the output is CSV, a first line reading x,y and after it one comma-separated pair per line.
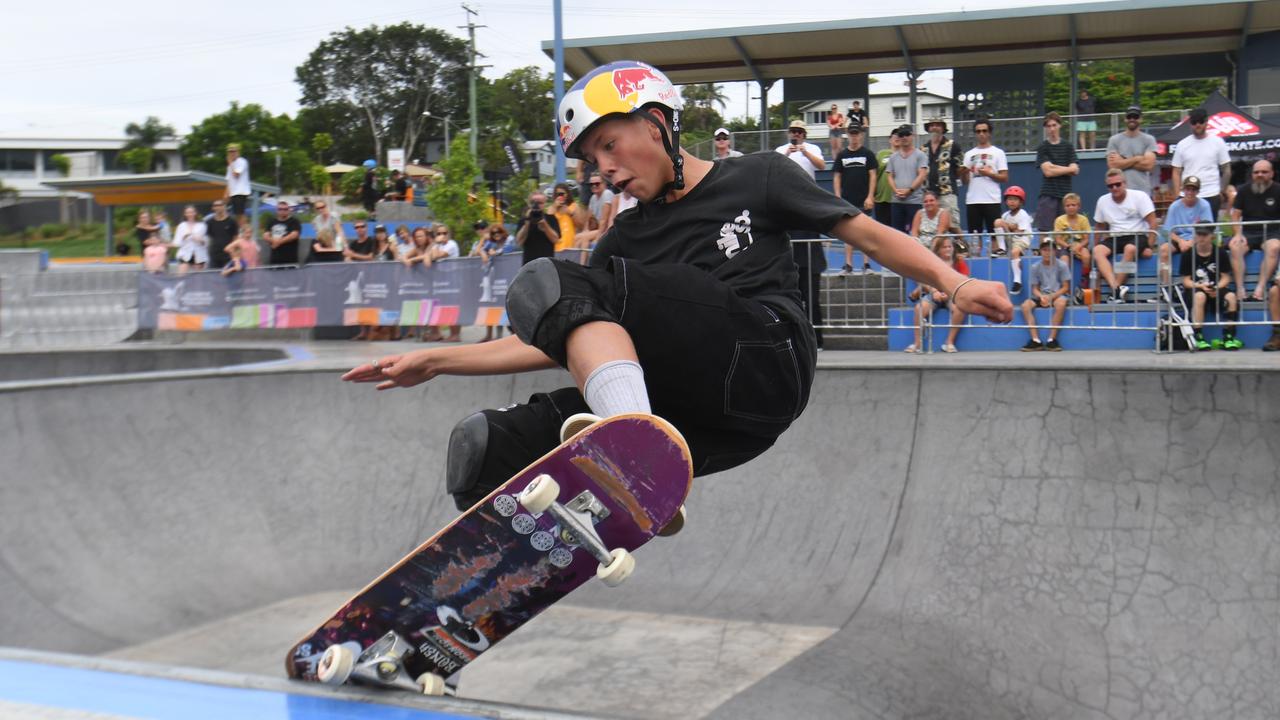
x,y
147,135
704,95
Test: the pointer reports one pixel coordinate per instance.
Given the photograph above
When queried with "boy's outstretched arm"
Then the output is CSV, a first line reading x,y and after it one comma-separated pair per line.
x,y
507,355
909,258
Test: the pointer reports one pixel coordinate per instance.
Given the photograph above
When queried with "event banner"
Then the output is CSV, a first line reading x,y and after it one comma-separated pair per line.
x,y
465,291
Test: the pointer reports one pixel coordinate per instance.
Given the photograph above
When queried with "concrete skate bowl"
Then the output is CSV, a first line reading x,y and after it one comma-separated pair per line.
x,y
976,543
48,365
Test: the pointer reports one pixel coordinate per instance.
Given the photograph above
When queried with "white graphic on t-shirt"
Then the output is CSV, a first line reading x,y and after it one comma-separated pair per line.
x,y
1207,272
735,236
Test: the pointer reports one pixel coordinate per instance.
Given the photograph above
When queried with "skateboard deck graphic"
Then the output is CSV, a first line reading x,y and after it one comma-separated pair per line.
x,y
498,565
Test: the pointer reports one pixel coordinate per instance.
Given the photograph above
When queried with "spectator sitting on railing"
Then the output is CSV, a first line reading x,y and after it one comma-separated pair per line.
x,y
1180,223
836,124
1258,200
1129,217
930,220
1071,234
931,299
1205,277
1014,226
1050,283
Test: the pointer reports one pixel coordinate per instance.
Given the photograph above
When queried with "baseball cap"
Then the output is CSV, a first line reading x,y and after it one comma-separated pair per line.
x,y
1204,229
379,226
855,126
1046,242
904,131
1192,181
721,131
1133,110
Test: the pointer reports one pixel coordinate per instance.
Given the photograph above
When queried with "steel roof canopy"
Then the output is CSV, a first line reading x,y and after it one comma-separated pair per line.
x,y
153,188
1116,28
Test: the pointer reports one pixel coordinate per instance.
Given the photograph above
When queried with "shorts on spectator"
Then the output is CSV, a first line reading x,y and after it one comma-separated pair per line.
x,y
1118,243
837,133
238,203
949,202
1022,242
1255,239
1086,126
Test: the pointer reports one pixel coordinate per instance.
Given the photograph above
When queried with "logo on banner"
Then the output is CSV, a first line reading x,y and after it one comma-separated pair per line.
x,y
171,297
355,294
1229,124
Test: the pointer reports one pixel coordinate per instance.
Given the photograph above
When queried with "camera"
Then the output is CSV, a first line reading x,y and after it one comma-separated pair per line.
x,y
536,214
795,141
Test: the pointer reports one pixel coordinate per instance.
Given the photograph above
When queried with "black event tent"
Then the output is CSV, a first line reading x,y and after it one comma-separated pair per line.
x,y
1245,135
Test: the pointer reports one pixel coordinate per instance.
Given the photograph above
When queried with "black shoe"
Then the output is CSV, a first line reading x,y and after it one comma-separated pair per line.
x,y
1033,346
1053,345
1017,288
998,252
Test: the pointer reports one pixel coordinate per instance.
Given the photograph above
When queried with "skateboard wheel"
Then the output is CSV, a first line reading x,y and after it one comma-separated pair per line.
x,y
431,684
539,494
335,665
619,569
575,424
676,524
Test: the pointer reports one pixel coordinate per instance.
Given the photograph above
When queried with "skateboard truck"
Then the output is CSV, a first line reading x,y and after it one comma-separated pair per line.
x,y
382,663
577,522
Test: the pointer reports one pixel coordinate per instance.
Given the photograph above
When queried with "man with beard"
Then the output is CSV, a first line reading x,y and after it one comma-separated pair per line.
x,y
945,163
1256,201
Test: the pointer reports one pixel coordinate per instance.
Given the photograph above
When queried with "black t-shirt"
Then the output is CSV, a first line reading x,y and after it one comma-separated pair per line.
x,y
362,247
286,254
734,225
1064,153
1207,268
220,233
855,168
368,191
1257,206
536,243
402,187
860,114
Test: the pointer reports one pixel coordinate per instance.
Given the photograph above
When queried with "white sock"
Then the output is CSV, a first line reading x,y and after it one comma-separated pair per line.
x,y
1017,270
998,241
616,388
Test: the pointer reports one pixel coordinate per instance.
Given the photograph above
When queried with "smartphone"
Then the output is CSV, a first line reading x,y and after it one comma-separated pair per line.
x,y
795,141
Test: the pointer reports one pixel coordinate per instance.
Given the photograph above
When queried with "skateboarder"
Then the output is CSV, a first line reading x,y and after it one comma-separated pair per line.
x,y
690,307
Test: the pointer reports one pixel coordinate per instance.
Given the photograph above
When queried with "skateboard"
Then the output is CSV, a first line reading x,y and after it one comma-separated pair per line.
x,y
574,514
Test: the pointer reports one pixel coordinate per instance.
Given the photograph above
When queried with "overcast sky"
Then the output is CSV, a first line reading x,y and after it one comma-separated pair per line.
x,y
88,69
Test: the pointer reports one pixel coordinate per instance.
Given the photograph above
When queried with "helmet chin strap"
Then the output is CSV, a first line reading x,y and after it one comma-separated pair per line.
x,y
672,144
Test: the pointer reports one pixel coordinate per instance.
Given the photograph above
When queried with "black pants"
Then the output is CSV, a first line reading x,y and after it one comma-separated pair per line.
x,y
982,217
884,213
730,373
810,286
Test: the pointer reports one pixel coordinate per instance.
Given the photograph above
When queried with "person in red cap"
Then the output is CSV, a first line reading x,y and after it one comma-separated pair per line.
x,y
1014,226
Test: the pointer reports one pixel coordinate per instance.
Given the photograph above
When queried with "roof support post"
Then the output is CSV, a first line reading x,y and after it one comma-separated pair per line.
x,y
1239,92
1074,66
110,249
912,75
557,89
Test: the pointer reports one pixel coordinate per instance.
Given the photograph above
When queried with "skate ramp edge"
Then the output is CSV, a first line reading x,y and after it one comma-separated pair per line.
x,y
969,543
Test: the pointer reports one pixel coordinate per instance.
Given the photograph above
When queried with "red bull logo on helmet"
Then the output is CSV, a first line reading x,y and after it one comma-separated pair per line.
x,y
629,81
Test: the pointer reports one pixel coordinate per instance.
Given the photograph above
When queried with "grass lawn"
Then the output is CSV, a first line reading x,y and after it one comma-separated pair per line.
x,y
87,242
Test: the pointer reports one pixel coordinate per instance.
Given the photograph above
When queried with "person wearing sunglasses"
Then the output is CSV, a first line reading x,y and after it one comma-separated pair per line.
x,y
1129,217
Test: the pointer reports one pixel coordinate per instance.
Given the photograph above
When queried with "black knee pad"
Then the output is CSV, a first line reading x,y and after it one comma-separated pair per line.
x,y
467,446
548,299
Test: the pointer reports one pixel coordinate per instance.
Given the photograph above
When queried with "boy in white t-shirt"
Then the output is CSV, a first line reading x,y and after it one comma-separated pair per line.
x,y
1015,226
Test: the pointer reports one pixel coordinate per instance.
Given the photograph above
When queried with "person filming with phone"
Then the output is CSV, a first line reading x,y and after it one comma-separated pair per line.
x,y
805,154
538,231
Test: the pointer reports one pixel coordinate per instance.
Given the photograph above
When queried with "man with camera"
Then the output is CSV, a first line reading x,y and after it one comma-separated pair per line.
x,y
805,154
538,231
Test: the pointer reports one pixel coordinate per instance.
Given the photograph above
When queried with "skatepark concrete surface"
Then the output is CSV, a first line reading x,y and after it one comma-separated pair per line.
x,y
985,535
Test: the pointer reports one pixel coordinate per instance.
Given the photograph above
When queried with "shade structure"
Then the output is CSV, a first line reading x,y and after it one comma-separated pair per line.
x,y
192,186
1245,135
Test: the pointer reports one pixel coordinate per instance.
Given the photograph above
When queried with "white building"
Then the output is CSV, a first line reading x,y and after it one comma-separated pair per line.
x,y
887,107
25,163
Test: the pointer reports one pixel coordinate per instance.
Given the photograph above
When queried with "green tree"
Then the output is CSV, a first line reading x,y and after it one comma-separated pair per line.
x,y
387,77
522,100
320,180
351,140
516,191
61,163
455,197
144,136
700,117
7,193
320,142
256,130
